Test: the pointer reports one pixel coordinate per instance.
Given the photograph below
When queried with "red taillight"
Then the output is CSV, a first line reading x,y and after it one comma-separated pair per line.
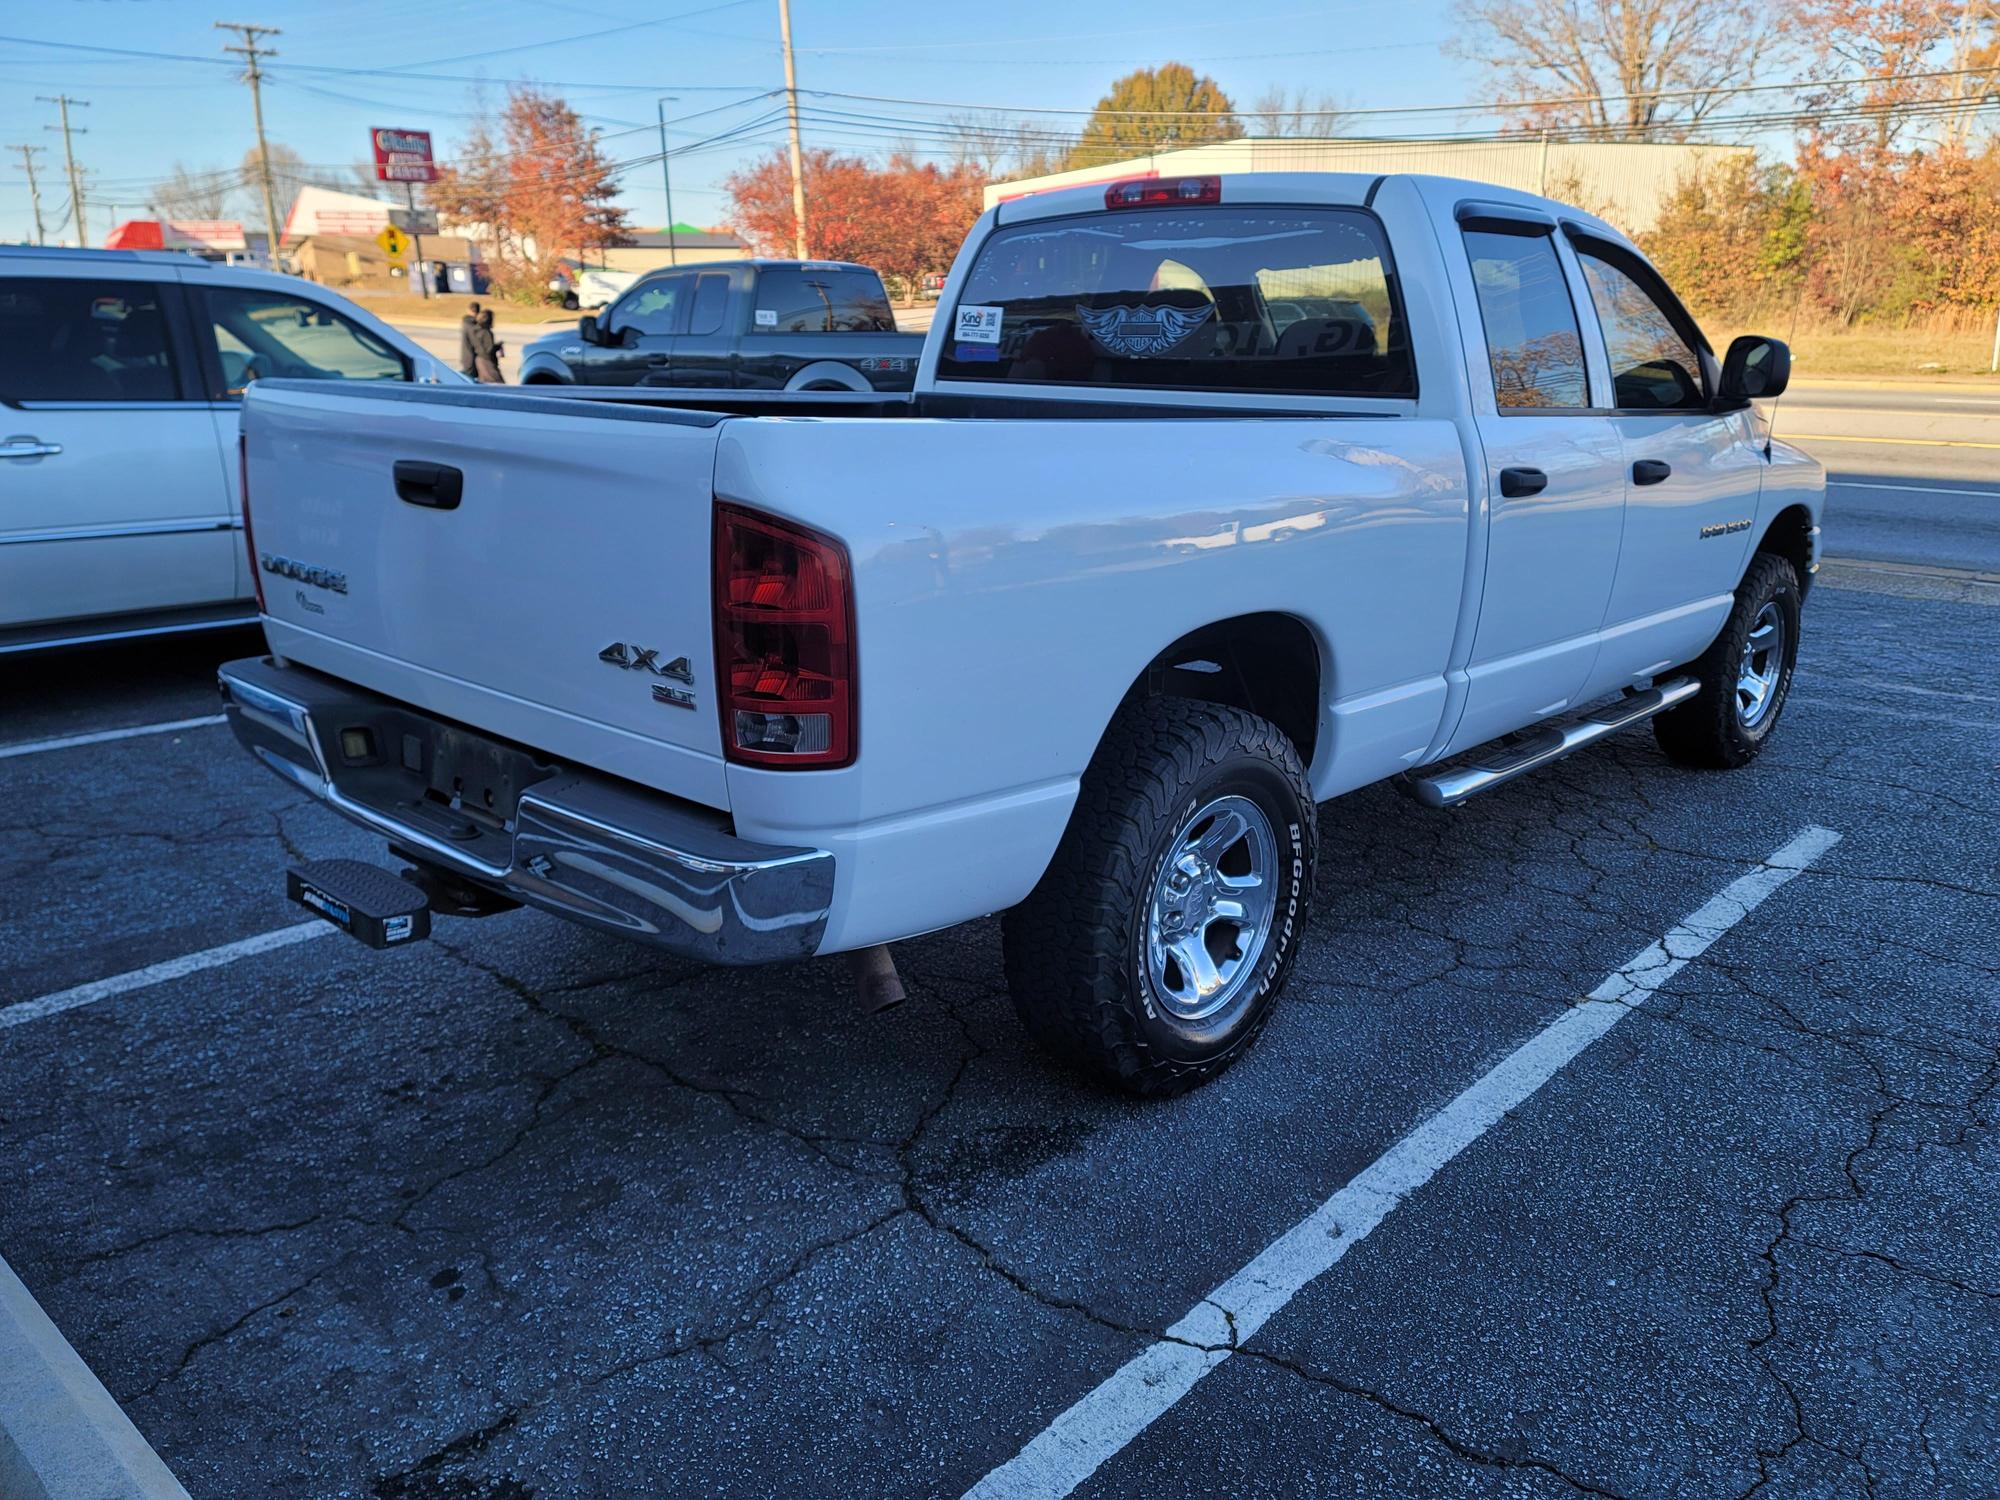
x,y
249,540
1152,192
784,642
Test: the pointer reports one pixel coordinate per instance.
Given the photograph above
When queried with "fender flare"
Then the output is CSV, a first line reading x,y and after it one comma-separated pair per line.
x,y
546,370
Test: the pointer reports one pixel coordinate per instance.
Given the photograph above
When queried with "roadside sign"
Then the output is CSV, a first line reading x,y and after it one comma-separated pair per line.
x,y
393,242
402,155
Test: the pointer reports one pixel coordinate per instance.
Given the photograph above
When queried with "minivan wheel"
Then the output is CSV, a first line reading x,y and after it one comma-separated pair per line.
x,y
1153,950
1745,676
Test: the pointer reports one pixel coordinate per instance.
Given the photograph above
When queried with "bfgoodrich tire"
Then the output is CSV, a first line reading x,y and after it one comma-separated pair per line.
x,y
1745,676
1153,950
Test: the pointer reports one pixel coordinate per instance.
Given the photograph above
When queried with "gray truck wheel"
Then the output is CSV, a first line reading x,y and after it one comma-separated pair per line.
x,y
1152,951
1745,676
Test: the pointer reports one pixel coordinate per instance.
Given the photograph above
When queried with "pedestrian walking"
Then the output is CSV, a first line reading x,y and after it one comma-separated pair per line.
x,y
487,350
466,325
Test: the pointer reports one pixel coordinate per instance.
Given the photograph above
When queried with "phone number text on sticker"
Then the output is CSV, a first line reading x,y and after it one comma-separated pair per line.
x,y
977,325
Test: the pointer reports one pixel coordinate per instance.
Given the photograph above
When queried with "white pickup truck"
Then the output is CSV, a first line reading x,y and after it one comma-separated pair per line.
x,y
1216,498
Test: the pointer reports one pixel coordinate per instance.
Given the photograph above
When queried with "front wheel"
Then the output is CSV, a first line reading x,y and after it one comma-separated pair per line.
x,y
1745,676
1152,951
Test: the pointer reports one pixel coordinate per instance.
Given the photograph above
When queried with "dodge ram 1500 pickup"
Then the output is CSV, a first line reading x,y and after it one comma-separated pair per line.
x,y
1216,498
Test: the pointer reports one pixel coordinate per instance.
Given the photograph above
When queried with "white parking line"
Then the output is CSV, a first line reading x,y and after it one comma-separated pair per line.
x,y
1071,1448
171,968
36,747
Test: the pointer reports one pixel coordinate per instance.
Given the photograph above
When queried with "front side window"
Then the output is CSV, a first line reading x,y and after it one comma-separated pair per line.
x,y
1299,302
84,340
1532,338
649,308
1653,366
271,336
821,300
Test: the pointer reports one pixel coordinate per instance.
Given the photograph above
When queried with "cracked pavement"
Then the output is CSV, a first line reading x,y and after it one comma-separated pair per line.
x,y
525,1211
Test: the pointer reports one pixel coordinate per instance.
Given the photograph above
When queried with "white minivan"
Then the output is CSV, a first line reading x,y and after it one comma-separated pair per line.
x,y
121,376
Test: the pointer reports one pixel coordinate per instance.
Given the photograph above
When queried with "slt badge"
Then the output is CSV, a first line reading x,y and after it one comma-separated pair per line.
x,y
646,659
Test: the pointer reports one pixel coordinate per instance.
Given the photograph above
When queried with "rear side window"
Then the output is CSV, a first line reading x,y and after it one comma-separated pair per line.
x,y
268,336
711,301
84,340
1300,302
1653,366
1532,338
821,300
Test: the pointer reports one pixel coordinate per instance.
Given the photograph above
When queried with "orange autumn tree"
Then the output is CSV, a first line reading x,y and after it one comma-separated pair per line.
x,y
902,217
535,185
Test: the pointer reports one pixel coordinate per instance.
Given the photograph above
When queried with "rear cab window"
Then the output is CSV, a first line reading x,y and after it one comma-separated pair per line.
x,y
821,299
1261,300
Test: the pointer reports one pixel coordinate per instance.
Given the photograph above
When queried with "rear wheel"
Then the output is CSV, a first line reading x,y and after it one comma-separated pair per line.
x,y
1154,948
1745,676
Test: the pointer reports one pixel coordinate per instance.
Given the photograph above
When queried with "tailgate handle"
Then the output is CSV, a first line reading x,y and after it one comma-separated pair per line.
x,y
439,486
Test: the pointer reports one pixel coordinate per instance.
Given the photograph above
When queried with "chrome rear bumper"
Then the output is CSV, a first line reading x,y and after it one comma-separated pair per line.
x,y
583,846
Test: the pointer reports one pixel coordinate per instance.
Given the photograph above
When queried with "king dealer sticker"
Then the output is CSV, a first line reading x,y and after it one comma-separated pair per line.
x,y
977,325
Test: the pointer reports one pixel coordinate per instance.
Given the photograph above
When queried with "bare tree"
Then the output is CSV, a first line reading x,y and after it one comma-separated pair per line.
x,y
1002,151
196,195
1299,113
1639,70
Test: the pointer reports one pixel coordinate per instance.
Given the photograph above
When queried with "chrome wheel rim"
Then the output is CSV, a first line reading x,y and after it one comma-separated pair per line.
x,y
1763,664
1210,912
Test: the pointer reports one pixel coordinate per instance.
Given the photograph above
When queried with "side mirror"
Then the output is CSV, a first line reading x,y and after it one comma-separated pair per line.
x,y
586,329
1754,369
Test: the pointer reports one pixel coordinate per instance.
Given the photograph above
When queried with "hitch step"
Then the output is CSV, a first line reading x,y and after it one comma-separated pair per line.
x,y
362,900
1491,765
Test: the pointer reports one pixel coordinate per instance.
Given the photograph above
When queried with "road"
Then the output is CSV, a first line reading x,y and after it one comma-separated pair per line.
x,y
1913,471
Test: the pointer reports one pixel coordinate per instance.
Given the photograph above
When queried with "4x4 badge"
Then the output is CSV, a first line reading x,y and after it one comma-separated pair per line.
x,y
646,658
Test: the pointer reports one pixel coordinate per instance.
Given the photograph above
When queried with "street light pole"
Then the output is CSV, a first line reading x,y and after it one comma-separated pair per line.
x,y
667,176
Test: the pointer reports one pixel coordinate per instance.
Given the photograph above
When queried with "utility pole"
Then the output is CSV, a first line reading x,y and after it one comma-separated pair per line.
x,y
667,177
63,102
252,54
28,155
792,109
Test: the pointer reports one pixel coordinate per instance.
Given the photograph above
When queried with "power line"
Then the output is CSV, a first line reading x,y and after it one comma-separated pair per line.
x,y
252,54
28,155
63,102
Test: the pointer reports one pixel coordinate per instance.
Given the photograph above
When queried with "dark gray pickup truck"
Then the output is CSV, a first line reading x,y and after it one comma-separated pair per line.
x,y
755,325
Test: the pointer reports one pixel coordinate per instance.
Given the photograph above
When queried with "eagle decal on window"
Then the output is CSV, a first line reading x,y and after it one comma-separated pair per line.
x,y
1141,331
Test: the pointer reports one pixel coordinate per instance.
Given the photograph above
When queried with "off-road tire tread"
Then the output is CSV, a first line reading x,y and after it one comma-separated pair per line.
x,y
1064,948
1703,732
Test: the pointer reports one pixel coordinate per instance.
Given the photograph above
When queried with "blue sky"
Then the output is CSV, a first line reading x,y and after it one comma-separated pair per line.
x,y
610,58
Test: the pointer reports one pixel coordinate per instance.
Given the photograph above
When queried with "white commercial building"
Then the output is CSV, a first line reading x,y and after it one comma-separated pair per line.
x,y
1625,182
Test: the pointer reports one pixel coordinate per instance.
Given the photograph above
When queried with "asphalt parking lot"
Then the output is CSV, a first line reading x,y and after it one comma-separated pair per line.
x,y
526,1212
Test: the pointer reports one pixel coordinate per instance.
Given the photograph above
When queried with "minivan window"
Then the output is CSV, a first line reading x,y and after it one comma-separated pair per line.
x,y
816,299
270,336
1532,335
84,340
1653,367
1300,302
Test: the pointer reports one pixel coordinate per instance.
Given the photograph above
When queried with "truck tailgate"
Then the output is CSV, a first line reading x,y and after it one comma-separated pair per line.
x,y
561,600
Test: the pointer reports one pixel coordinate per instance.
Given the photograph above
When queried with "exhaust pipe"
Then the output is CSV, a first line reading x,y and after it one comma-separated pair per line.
x,y
877,985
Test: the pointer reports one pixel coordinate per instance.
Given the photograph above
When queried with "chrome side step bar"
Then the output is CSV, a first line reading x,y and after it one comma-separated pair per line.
x,y
1491,765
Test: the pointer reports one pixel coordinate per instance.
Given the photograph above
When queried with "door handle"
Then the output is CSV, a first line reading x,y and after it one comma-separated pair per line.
x,y
1514,483
1650,471
437,486
25,446
659,359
